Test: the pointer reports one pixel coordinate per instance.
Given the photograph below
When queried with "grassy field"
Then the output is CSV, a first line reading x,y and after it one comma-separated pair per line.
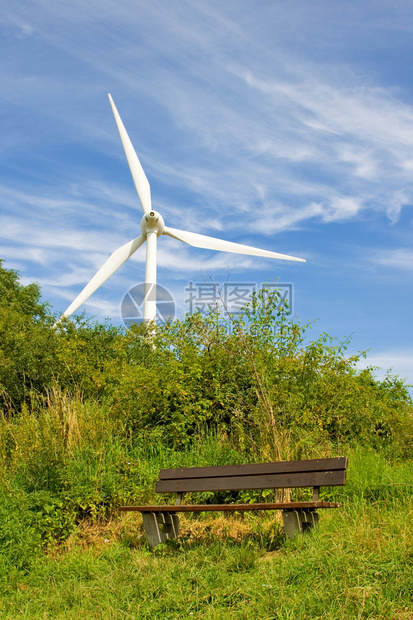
x,y
358,564
90,413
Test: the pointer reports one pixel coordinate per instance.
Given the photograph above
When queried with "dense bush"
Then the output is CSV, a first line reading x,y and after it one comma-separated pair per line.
x,y
256,376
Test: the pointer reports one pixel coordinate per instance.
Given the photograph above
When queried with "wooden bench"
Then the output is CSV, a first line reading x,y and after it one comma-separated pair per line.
x,y
162,522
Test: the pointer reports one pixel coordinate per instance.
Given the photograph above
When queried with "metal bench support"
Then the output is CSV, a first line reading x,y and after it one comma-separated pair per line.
x,y
299,521
160,526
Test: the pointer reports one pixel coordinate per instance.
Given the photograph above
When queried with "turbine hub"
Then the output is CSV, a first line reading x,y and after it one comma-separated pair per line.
x,y
152,221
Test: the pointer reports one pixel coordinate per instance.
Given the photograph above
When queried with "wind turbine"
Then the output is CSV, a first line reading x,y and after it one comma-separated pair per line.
x,y
152,227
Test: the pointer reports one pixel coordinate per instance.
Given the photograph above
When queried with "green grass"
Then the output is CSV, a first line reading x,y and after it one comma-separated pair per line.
x,y
358,564
89,414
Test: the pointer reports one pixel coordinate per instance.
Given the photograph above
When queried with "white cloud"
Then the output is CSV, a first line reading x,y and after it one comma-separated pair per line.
x,y
397,259
342,208
398,362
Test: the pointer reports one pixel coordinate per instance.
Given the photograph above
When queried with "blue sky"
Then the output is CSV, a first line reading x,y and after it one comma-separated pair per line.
x,y
283,125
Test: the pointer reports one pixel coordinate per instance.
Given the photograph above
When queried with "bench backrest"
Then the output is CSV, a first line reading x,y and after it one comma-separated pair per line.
x,y
284,474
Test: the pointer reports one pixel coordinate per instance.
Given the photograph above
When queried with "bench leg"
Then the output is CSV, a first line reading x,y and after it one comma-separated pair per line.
x,y
159,526
299,521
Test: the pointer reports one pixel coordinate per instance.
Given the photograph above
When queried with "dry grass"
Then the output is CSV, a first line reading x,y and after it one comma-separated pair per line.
x,y
223,527
128,528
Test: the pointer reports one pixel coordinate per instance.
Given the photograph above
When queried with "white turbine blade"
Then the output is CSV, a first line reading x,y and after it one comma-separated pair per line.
x,y
210,243
113,263
139,177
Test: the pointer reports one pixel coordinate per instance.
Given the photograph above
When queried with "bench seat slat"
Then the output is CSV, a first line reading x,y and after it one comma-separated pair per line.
x,y
230,507
330,464
263,481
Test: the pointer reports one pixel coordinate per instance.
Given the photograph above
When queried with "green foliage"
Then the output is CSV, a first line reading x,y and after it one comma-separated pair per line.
x,y
27,344
19,539
256,377
22,299
89,413
375,479
27,523
88,357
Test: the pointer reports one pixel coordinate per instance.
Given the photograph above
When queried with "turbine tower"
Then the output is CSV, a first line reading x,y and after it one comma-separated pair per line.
x,y
152,227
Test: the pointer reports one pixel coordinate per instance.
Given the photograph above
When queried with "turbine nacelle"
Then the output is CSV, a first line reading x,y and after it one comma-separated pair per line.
x,y
152,221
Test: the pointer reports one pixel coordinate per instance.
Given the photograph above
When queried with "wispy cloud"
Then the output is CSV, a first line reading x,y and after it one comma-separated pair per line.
x,y
397,362
400,258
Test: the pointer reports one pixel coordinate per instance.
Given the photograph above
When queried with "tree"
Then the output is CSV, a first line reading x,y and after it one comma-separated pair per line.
x,y
27,344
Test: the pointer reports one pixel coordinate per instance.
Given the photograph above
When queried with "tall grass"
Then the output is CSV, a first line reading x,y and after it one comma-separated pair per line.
x,y
358,564
66,553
